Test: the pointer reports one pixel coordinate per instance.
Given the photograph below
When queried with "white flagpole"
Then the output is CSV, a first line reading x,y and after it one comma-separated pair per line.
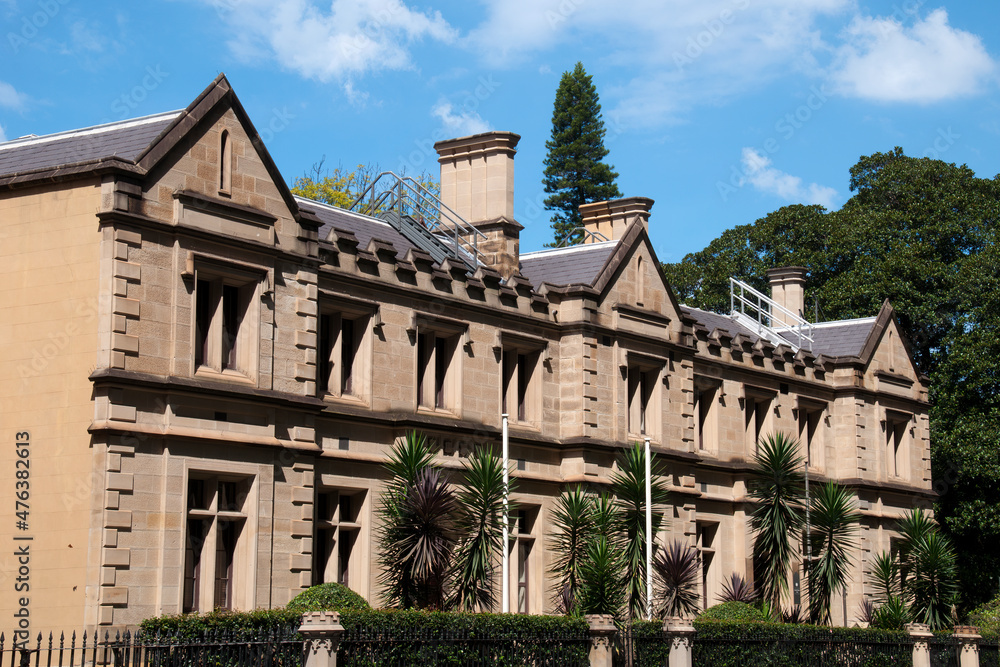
x,y
649,534
505,562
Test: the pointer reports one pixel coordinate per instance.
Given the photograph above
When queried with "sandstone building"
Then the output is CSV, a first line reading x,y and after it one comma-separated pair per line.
x,y
210,371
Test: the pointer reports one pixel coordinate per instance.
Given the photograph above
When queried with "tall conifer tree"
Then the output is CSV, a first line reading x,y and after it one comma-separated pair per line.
x,y
574,169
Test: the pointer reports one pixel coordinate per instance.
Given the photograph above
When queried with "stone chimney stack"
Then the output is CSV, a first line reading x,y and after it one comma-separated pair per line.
x,y
611,218
477,183
788,290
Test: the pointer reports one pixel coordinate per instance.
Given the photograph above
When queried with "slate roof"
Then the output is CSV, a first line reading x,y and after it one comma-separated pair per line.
x,y
363,227
124,139
579,264
843,338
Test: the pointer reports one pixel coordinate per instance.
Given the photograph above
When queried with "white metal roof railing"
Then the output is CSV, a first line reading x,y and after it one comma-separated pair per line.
x,y
755,310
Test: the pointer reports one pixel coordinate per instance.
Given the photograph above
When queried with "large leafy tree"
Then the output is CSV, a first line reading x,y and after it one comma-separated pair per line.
x,y
575,171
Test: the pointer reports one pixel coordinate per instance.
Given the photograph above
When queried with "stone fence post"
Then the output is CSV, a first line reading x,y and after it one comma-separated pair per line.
x,y
322,631
680,633
968,645
920,632
602,637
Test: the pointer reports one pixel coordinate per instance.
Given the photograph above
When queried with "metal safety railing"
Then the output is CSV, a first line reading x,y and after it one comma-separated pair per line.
x,y
755,310
422,217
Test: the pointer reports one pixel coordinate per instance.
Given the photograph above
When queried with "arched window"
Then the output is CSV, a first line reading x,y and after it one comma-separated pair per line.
x,y
225,163
640,282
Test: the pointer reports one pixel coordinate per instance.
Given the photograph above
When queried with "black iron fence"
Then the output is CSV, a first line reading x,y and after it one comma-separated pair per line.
x,y
271,648
944,649
989,652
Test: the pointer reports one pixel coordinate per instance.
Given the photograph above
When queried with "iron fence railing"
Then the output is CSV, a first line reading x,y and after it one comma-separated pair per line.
x,y
989,652
944,649
807,647
270,648
426,647
636,649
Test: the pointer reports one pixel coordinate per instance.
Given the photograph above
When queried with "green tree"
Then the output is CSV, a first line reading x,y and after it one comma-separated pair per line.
x,y
777,489
340,187
575,172
573,521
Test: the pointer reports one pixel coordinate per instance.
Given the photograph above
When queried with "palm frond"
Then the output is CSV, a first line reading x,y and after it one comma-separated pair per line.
x,y
834,522
573,528
885,577
602,589
738,589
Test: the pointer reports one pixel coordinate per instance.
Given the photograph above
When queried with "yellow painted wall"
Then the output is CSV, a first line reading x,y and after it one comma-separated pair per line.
x,y
49,260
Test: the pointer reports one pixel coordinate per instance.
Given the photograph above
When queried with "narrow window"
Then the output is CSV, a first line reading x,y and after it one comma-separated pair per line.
x,y
425,346
523,563
225,163
440,371
203,321
509,371
232,317
324,367
347,353
640,279
225,542
337,537
705,410
522,385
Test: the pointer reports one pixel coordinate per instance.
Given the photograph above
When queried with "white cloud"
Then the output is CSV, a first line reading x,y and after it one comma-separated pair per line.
x,y
352,37
758,172
673,54
10,98
460,123
885,61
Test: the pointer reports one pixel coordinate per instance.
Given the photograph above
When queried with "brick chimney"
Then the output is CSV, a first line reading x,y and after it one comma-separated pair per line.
x,y
788,290
611,218
477,183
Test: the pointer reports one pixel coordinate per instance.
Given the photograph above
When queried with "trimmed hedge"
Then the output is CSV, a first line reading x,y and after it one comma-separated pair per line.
x,y
328,597
726,644
237,623
397,637
650,647
734,612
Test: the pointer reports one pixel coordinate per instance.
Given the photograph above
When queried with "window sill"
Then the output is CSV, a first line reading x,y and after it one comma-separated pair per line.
x,y
348,399
228,375
437,412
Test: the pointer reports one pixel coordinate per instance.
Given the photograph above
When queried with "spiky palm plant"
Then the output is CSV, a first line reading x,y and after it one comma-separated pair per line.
x,y
885,577
677,571
738,589
628,484
893,614
573,523
424,539
602,589
834,522
480,524
776,487
934,579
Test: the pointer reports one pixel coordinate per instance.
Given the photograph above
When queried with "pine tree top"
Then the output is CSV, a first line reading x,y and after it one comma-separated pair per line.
x,y
575,173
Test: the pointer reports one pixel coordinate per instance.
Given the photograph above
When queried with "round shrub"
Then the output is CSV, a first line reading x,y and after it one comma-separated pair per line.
x,y
987,617
327,597
734,611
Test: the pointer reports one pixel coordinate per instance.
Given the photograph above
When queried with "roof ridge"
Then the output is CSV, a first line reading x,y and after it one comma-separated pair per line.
x,y
93,129
578,247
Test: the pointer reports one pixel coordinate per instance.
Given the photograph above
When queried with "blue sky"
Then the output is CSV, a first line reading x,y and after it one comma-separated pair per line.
x,y
720,110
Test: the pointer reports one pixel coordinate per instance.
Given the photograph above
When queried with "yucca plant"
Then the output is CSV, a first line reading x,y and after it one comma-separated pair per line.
x,y
425,538
480,524
934,579
866,611
793,615
776,487
677,572
573,524
738,589
885,577
602,589
894,614
628,484
834,522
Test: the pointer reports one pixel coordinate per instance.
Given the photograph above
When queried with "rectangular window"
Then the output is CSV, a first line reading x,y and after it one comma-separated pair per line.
x,y
706,412
706,546
757,413
342,350
811,435
225,309
438,370
641,406
338,525
897,430
521,390
217,544
523,556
